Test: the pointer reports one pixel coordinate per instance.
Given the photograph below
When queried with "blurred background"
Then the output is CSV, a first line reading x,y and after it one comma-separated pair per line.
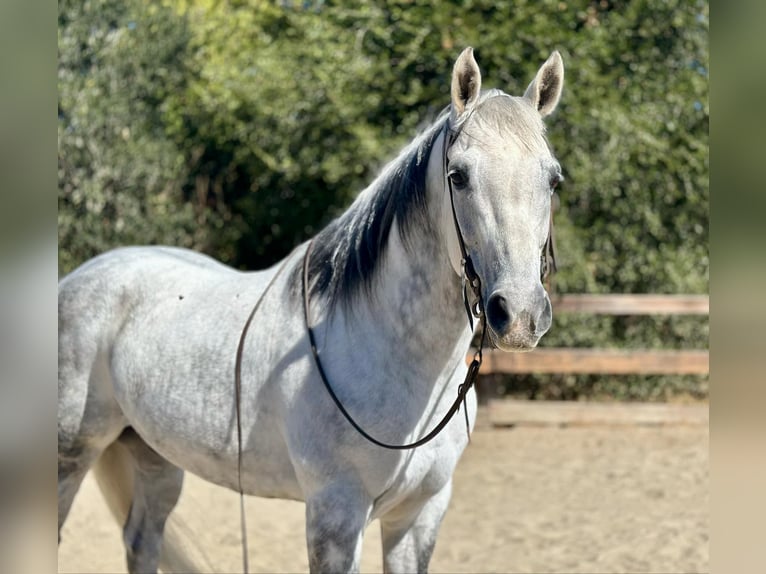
x,y
240,128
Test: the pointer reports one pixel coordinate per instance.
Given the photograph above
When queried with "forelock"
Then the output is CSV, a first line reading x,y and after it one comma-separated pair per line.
x,y
500,114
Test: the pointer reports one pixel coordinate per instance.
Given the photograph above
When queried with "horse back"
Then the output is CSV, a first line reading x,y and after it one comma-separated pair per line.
x,y
154,312
162,290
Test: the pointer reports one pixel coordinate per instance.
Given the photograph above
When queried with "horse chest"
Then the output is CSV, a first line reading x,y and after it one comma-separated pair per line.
x,y
418,476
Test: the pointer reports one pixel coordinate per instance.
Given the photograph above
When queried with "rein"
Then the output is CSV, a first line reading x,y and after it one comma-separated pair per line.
x,y
474,308
470,379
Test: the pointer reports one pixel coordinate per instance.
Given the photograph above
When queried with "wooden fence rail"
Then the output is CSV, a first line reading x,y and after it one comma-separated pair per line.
x,y
630,304
598,361
610,361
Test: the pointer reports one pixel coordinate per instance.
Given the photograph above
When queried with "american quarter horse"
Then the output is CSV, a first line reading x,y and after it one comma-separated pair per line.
x,y
148,340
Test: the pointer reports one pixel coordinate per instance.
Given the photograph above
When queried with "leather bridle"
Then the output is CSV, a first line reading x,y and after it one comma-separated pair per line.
x,y
470,278
474,306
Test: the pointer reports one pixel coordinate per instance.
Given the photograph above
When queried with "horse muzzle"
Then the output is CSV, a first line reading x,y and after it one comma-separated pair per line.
x,y
516,323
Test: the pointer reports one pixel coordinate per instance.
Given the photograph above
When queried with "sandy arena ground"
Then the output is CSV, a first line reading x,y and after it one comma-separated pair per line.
x,y
528,499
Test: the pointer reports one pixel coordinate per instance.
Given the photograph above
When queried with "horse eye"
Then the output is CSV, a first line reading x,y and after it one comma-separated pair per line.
x,y
555,180
458,178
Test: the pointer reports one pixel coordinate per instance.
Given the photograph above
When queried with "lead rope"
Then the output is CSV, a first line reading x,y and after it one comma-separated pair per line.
x,y
238,405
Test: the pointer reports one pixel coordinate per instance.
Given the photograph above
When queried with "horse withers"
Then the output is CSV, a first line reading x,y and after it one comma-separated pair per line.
x,y
148,340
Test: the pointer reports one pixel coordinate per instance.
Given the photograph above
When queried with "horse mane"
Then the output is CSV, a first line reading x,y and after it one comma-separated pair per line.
x,y
346,254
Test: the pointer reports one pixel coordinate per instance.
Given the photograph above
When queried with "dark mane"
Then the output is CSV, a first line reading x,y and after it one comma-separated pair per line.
x,y
346,254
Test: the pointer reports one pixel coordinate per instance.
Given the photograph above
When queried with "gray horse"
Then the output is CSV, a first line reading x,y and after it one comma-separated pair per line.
x,y
148,339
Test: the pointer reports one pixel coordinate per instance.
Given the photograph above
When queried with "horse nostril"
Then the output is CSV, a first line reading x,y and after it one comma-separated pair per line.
x,y
497,311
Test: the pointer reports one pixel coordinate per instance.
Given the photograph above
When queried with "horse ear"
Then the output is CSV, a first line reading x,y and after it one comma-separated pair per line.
x,y
466,83
545,90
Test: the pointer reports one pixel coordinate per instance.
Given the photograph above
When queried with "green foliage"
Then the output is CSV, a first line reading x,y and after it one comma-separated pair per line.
x,y
240,128
119,174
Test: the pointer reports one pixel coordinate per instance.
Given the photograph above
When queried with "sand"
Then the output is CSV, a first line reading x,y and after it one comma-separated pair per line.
x,y
527,499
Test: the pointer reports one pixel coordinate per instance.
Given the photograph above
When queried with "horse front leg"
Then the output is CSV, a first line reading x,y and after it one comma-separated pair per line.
x,y
409,533
336,517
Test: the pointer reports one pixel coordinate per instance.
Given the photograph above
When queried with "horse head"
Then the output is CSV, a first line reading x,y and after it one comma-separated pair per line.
x,y
501,173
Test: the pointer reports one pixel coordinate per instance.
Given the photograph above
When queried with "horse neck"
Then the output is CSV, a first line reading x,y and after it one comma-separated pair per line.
x,y
418,298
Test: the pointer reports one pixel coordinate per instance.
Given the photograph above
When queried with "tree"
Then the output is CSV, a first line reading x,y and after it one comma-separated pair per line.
x,y
119,174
